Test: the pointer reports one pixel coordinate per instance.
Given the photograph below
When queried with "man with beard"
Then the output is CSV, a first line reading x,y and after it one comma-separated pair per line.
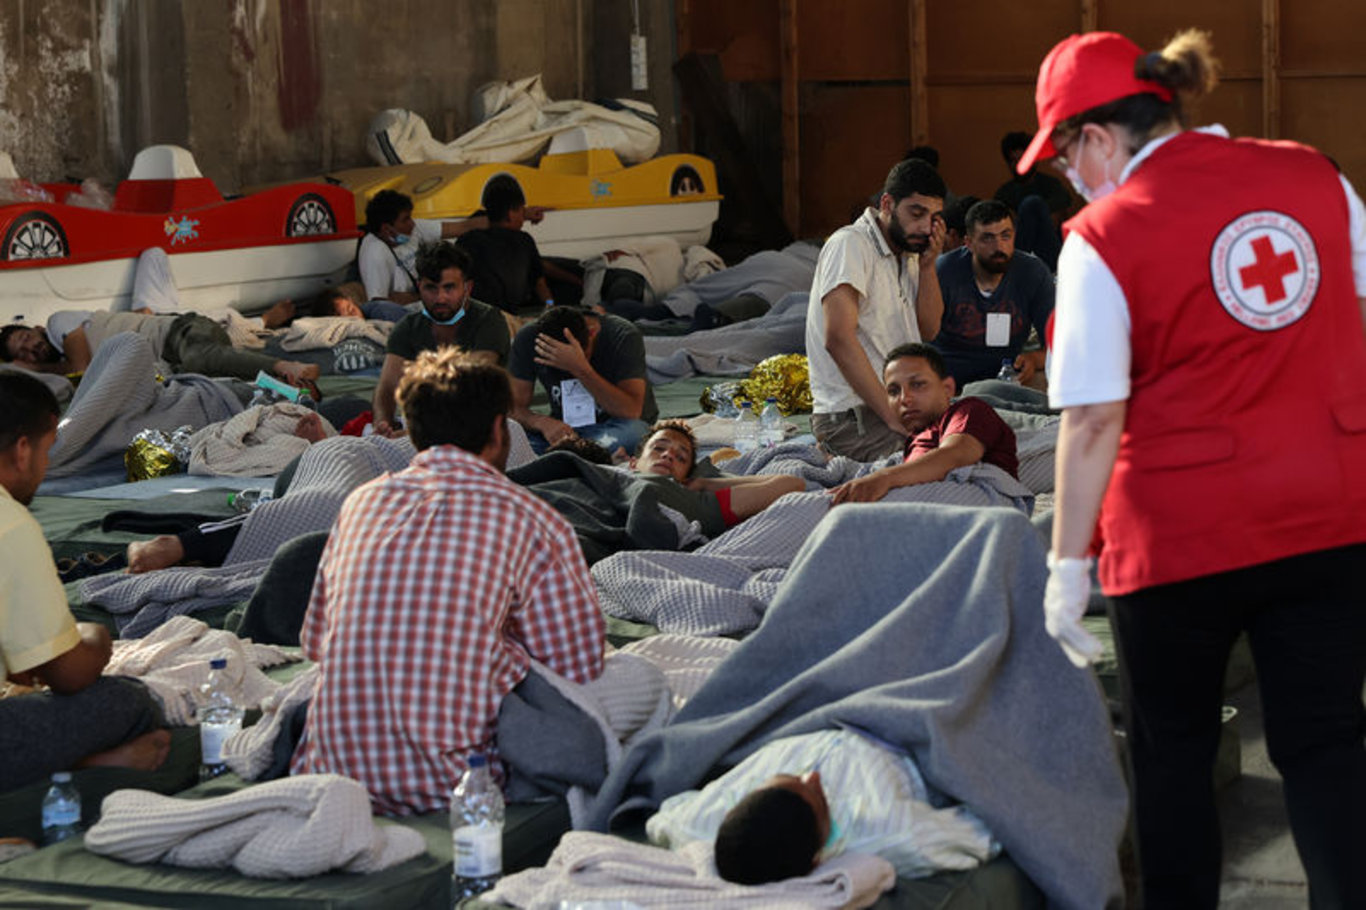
x,y
875,288
944,434
449,316
992,295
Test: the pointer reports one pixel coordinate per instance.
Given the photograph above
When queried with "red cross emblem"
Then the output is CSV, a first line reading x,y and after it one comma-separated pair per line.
x,y
1269,270
1264,268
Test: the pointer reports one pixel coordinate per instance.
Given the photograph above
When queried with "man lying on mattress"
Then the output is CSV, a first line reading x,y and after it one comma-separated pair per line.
x,y
942,434
189,343
438,586
57,712
658,505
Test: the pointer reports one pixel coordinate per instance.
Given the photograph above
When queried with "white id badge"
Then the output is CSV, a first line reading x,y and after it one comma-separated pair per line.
x,y
576,404
998,330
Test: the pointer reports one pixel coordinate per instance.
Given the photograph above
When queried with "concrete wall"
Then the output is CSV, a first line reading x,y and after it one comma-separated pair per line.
x,y
270,90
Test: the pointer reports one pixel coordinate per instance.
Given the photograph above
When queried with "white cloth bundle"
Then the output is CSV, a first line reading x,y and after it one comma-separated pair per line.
x,y
318,332
250,751
258,442
588,866
173,661
295,827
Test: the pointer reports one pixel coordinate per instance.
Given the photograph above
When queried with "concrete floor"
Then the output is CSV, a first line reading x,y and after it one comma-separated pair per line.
x,y
1262,871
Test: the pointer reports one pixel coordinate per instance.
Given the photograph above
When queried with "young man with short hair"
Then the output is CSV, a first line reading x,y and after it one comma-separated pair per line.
x,y
670,450
437,588
450,317
57,712
942,434
508,271
593,368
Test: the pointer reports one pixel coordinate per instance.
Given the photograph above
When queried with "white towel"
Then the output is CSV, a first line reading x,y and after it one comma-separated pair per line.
x,y
295,827
173,661
251,750
589,866
258,442
321,332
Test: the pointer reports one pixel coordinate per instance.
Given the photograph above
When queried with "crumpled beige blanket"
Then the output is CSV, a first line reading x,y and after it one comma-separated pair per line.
x,y
258,442
295,827
320,332
588,866
173,661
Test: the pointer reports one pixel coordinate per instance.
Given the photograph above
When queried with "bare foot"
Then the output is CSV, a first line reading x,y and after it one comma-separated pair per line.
x,y
296,373
157,553
278,315
310,427
146,753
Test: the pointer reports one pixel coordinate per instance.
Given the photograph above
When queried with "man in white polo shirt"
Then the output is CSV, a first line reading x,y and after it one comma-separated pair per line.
x,y
875,289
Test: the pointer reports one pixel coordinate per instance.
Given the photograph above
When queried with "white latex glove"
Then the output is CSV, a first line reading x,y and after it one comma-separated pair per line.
x,y
1064,604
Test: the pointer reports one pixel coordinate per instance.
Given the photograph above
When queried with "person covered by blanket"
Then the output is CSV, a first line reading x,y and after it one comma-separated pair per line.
x,y
450,317
57,712
993,295
875,288
1210,309
386,256
437,588
943,433
670,450
189,343
801,800
593,368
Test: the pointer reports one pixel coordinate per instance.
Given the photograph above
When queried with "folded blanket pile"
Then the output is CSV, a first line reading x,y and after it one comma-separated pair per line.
x,y
258,442
295,827
173,662
598,867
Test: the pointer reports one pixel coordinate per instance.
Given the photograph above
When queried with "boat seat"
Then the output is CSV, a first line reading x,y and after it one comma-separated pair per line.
x,y
165,178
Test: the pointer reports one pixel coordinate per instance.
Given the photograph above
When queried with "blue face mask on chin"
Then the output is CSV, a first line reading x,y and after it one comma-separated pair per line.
x,y
459,315
400,239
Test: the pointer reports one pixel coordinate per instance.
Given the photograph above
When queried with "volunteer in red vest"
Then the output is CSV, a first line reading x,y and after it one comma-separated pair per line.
x,y
1209,357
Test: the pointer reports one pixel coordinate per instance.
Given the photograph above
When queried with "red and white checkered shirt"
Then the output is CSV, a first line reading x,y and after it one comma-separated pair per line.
x,y
436,584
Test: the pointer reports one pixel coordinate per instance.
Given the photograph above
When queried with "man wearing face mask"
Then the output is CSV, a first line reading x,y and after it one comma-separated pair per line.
x,y
1209,311
449,316
387,253
993,294
875,288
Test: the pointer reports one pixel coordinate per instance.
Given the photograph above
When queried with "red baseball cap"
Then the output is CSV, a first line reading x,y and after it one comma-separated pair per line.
x,y
1079,73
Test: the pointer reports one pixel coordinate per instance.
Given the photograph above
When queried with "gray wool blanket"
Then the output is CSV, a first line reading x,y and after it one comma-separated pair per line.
x,y
119,397
732,349
725,586
328,472
941,650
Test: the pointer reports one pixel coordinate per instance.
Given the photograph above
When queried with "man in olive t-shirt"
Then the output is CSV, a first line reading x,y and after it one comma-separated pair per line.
x,y
449,316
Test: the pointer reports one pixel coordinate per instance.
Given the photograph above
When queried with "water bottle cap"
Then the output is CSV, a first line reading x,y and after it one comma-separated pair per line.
x,y
61,777
477,760
746,405
218,663
1007,360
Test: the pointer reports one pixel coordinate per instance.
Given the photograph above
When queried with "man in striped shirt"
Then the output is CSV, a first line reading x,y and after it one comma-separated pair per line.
x,y
438,586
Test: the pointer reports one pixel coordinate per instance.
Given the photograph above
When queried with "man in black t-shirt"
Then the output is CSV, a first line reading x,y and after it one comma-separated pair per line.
x,y
449,316
507,270
593,369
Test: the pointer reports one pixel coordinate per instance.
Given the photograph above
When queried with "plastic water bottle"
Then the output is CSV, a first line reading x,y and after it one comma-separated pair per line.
x,y
476,830
747,429
61,809
219,717
248,500
771,423
1008,373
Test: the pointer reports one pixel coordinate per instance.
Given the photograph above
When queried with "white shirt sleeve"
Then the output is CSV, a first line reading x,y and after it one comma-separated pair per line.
x,y
847,258
425,230
1090,356
376,265
1356,225
62,323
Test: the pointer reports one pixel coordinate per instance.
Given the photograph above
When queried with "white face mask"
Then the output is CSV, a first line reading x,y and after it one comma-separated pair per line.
x,y
1074,175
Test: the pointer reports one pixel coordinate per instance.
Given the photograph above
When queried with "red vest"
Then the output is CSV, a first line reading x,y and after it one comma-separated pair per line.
x,y
1245,434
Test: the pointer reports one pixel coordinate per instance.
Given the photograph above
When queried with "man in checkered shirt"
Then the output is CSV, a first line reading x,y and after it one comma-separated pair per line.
x,y
438,586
